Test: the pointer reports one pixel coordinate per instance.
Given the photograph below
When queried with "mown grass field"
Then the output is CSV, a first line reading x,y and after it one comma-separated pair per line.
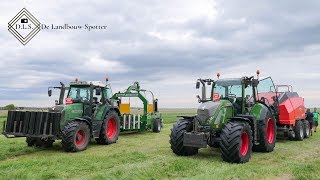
x,y
148,156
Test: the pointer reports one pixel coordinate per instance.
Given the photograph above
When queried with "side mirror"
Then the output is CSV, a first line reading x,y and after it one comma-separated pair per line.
x,y
98,91
198,85
50,92
155,102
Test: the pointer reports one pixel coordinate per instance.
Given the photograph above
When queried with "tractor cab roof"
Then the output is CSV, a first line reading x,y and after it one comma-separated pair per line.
x,y
88,83
229,81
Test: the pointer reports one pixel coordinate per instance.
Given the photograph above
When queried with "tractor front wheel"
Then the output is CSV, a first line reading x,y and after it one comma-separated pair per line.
x,y
75,136
176,138
110,129
267,135
298,131
236,142
306,129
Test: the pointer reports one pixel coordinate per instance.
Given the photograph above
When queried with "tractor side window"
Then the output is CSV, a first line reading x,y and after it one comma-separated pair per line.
x,y
266,91
96,98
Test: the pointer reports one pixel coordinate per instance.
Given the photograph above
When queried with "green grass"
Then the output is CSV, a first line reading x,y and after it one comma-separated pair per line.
x,y
148,156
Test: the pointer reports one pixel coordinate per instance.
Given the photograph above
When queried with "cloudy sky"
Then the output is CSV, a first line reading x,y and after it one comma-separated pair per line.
x,y
165,45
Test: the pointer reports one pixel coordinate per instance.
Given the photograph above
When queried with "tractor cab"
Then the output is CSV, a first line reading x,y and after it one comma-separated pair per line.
x,y
242,93
91,95
236,92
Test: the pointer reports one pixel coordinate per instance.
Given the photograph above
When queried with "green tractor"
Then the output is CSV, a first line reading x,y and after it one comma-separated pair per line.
x,y
236,117
88,113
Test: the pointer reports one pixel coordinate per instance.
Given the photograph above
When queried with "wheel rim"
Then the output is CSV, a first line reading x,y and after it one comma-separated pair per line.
x,y
245,144
270,131
80,138
111,128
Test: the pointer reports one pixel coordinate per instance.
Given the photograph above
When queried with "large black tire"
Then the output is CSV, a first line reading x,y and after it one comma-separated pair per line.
x,y
31,141
38,142
110,129
156,125
267,129
306,129
236,142
176,138
298,131
75,136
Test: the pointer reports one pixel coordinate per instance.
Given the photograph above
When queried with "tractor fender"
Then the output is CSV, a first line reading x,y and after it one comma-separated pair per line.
x,y
260,111
108,109
85,119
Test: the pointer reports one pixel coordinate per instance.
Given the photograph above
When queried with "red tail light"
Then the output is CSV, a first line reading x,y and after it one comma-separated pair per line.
x,y
69,101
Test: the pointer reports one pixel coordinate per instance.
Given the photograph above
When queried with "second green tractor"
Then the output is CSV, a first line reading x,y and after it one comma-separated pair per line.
x,y
234,116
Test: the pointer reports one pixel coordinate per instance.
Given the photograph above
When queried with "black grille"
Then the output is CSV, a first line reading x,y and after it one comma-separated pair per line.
x,y
30,123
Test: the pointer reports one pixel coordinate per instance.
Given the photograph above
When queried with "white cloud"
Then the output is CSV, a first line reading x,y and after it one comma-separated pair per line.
x,y
98,64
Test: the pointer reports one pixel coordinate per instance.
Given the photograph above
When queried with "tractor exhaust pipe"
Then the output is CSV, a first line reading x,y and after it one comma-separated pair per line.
x,y
63,89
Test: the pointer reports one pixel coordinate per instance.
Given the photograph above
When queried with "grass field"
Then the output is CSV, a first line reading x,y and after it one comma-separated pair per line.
x,y
148,156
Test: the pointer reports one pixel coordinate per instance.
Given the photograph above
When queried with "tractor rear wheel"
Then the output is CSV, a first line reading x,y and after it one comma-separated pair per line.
x,y
267,135
75,136
110,129
306,129
156,125
176,138
298,131
236,142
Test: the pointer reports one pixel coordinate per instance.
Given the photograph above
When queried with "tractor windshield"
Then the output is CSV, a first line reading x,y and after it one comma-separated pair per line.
x,y
79,94
228,88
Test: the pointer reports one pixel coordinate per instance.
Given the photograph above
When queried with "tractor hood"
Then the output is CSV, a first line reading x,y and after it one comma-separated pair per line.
x,y
207,110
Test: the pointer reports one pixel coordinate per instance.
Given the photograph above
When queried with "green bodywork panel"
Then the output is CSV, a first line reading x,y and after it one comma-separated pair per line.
x,y
222,115
70,112
98,115
256,110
